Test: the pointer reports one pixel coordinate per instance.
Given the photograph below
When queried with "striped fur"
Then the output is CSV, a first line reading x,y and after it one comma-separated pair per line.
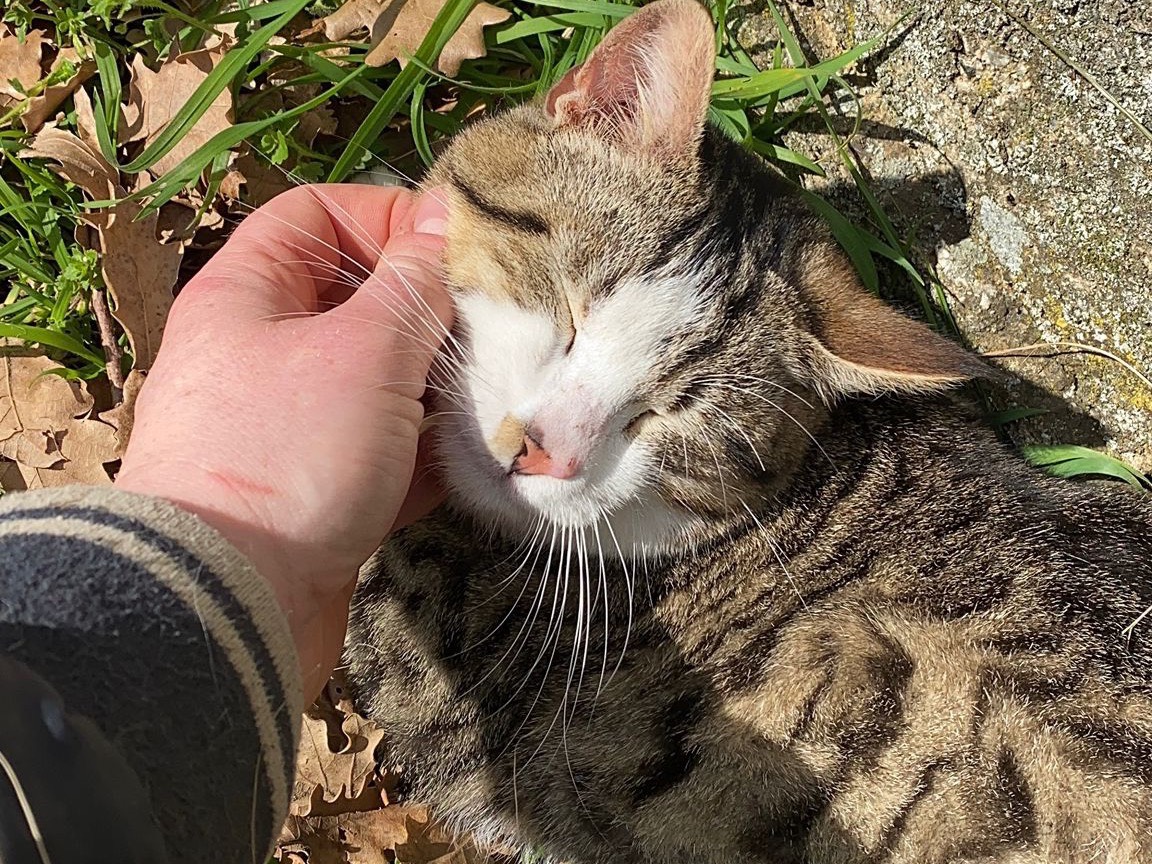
x,y
875,672
877,637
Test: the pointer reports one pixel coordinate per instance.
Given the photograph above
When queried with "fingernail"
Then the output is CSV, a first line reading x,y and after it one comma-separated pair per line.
x,y
431,214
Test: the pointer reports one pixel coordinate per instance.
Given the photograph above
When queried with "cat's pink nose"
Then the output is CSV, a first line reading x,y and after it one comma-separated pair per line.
x,y
534,459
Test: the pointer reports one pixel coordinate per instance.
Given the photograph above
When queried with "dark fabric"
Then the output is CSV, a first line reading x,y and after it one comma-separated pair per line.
x,y
139,665
51,766
207,581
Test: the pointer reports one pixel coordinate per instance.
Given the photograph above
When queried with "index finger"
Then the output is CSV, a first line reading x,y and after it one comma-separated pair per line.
x,y
304,239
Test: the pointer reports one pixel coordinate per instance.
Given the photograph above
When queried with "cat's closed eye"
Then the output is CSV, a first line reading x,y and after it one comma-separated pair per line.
x,y
665,410
636,425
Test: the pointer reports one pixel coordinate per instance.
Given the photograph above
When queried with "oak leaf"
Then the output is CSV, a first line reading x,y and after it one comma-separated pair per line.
x,y
139,270
397,27
336,780
337,747
154,98
140,273
20,63
86,119
79,162
21,71
304,838
262,181
424,844
122,416
368,836
45,431
373,837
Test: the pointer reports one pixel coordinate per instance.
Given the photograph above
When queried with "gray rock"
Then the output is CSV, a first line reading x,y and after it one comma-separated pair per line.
x,y
1025,188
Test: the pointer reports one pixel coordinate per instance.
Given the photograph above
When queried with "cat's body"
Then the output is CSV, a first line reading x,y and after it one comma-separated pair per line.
x,y
895,674
696,599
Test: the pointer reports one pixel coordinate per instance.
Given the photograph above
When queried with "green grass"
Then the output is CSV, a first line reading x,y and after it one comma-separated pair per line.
x,y
402,116
404,120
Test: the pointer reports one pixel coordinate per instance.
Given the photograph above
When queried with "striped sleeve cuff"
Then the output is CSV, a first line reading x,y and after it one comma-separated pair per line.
x,y
153,626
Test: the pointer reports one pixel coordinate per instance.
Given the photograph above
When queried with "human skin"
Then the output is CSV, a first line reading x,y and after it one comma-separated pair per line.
x,y
284,412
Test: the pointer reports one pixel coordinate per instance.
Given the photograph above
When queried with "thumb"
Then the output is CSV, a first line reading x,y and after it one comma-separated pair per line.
x,y
405,293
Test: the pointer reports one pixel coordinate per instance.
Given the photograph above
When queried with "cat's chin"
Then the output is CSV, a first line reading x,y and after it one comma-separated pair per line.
x,y
643,527
611,511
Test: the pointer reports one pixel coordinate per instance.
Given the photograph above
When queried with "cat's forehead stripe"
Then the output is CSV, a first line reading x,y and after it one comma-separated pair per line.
x,y
521,220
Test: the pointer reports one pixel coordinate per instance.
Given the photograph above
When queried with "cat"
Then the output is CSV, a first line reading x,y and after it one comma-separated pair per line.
x,y
728,575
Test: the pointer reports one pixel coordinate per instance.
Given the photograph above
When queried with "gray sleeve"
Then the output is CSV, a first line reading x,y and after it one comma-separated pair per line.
x,y
151,626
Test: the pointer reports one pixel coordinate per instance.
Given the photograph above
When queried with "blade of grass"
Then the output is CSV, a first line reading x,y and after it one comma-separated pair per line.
x,y
106,102
447,22
849,236
1012,415
51,338
1068,460
189,169
597,7
783,154
547,24
212,86
780,80
254,12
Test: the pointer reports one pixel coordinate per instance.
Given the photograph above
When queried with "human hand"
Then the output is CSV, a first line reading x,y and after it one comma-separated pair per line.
x,y
288,424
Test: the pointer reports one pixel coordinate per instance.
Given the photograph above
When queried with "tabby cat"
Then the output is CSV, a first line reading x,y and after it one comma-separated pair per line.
x,y
726,577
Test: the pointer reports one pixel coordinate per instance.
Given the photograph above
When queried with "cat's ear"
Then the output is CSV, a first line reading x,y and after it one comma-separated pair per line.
x,y
646,86
861,346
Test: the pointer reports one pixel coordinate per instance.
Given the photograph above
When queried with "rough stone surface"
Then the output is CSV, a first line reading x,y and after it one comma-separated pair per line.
x,y
1026,189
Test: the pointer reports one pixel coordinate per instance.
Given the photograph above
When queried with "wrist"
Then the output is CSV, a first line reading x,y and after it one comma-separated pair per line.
x,y
316,616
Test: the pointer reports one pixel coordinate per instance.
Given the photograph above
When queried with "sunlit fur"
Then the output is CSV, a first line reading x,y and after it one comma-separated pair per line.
x,y
597,285
796,607
640,314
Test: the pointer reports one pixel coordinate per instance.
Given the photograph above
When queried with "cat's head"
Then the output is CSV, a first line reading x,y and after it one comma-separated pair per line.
x,y
650,328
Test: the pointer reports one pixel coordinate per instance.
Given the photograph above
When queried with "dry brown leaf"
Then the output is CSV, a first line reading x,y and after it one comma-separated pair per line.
x,y
140,273
352,838
176,221
85,119
121,417
397,27
336,692
34,408
41,106
44,430
318,121
155,97
262,181
368,836
139,270
231,183
425,844
86,447
334,707
336,756
302,838
182,218
79,162
341,777
19,61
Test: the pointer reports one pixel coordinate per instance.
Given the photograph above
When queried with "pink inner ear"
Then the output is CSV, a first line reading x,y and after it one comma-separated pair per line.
x,y
563,87
646,86
604,89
